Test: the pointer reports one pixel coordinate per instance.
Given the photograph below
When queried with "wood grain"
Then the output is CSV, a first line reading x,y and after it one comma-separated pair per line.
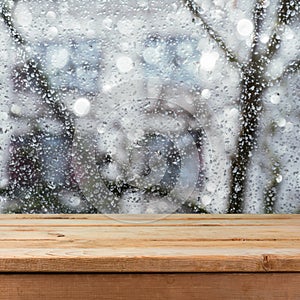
x,y
180,286
149,243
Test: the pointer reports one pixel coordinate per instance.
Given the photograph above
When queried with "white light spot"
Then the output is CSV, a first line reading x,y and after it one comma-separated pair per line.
x,y
206,199
81,107
125,27
16,109
152,55
264,38
208,60
206,93
23,15
101,129
281,122
59,58
52,33
278,178
276,68
51,15
210,187
275,98
289,33
4,182
233,113
3,116
124,64
245,27
107,87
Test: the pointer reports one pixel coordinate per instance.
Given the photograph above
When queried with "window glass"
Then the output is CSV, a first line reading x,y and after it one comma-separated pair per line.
x,y
149,106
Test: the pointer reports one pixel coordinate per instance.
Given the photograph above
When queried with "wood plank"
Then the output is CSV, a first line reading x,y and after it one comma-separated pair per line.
x,y
149,243
150,286
99,235
148,220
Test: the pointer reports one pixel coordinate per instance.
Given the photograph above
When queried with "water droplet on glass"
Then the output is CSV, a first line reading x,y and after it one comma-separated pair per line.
x,y
281,122
51,15
278,178
275,98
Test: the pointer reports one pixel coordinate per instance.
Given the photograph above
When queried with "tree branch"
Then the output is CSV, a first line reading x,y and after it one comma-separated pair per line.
x,y
273,44
6,16
287,12
291,68
259,14
196,11
252,88
271,190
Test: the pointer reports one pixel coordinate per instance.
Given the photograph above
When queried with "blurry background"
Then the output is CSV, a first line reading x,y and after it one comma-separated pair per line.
x,y
132,107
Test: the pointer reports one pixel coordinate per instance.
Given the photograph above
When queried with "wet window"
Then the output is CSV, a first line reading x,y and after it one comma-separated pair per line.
x,y
149,106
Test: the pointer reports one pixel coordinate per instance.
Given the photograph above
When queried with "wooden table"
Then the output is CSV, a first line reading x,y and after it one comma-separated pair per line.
x,y
150,257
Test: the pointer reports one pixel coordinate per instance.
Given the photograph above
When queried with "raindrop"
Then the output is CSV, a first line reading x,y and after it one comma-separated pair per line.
x,y
275,98
51,15
281,122
16,109
279,178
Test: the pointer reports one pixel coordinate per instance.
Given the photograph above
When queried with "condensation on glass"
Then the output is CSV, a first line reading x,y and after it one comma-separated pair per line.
x,y
149,106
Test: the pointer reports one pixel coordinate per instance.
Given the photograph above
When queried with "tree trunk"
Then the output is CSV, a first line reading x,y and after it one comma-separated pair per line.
x,y
252,87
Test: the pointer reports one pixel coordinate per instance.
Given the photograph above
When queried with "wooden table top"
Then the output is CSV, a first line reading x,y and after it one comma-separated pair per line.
x,y
149,243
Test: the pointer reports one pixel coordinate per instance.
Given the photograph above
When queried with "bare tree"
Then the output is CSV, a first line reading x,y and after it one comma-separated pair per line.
x,y
253,84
